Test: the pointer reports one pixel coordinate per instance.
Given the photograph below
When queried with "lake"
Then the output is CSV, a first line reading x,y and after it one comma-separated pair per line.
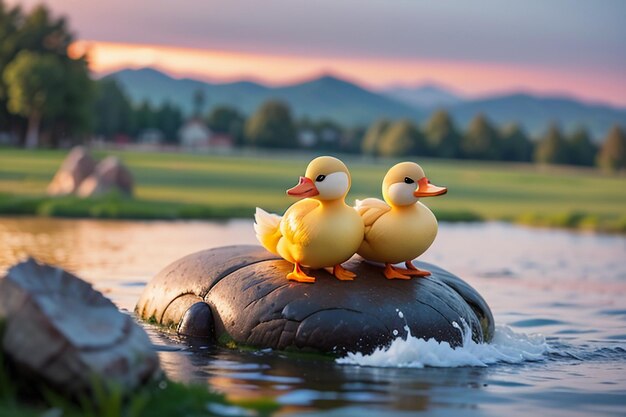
x,y
558,297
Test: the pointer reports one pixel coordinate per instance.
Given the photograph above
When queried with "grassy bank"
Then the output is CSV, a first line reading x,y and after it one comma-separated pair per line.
x,y
188,186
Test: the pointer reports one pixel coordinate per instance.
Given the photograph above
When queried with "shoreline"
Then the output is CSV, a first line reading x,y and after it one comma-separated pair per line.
x,y
114,207
218,187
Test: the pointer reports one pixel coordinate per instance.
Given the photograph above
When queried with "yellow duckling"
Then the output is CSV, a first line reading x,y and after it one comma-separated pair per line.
x,y
400,228
320,231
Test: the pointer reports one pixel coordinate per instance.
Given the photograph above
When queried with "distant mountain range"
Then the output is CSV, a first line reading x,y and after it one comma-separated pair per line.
x,y
324,97
427,96
350,104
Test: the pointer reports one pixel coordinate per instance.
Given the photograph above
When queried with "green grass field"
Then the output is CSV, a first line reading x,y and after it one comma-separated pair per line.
x,y
177,185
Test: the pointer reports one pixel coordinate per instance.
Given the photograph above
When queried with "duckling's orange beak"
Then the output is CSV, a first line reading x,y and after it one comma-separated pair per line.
x,y
426,189
305,188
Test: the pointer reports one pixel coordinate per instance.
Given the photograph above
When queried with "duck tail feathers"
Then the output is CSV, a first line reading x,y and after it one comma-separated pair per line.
x,y
370,210
267,229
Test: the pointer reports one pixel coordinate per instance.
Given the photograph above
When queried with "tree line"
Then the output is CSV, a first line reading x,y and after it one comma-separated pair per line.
x,y
116,118
47,97
272,126
483,140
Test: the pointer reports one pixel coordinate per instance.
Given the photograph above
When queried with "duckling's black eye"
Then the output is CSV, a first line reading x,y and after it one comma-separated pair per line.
x,y
408,180
320,178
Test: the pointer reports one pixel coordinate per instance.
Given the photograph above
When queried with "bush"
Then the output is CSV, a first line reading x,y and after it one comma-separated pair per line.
x,y
208,212
458,216
64,207
21,206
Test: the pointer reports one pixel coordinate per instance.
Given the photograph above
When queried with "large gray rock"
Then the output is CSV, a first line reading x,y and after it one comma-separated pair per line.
x,y
58,329
110,175
77,166
239,295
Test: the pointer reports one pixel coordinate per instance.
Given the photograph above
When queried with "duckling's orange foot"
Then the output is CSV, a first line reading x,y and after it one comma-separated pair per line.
x,y
343,274
392,273
298,275
413,271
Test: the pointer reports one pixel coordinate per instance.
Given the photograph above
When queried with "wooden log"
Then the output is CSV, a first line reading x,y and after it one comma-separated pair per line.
x,y
250,302
60,330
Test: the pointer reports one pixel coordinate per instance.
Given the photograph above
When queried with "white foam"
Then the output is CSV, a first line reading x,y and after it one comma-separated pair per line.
x,y
412,352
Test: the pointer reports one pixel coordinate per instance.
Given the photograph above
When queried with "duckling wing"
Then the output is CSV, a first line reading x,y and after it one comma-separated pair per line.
x,y
370,210
293,225
267,228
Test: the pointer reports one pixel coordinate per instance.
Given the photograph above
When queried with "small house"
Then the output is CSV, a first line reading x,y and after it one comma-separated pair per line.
x,y
194,134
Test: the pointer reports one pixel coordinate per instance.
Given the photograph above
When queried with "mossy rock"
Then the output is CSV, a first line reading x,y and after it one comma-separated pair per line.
x,y
239,296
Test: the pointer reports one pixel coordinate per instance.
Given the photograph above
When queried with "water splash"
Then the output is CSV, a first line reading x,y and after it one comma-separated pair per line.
x,y
412,352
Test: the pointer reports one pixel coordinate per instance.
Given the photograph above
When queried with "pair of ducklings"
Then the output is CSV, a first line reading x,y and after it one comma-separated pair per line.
x,y
322,231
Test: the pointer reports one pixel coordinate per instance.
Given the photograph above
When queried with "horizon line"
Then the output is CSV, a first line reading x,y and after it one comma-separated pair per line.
x,y
464,97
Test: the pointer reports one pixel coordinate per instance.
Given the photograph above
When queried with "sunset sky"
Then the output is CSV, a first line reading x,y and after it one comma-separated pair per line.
x,y
574,48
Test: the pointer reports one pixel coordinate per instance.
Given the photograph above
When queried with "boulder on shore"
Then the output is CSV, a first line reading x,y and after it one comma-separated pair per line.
x,y
57,329
240,296
77,166
80,175
110,175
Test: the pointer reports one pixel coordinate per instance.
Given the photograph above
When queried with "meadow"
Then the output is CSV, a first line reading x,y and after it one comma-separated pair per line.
x,y
204,186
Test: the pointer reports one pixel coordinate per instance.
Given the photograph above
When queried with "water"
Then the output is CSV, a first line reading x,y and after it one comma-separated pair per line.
x,y
507,346
558,298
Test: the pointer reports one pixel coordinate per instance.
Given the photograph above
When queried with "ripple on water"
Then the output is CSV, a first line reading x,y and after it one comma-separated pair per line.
x,y
499,273
560,304
308,397
260,376
166,348
134,284
576,331
237,366
617,312
537,323
587,353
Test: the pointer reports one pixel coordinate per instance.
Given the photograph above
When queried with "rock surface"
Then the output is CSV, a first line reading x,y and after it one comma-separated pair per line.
x,y
58,329
110,175
240,295
77,166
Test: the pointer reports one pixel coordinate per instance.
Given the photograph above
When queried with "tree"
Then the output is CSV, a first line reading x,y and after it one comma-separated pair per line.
x,y
353,139
552,148
144,117
443,137
76,116
481,140
35,88
10,19
516,146
581,150
169,119
112,109
271,126
199,101
30,45
330,135
227,120
612,155
42,33
402,138
369,145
